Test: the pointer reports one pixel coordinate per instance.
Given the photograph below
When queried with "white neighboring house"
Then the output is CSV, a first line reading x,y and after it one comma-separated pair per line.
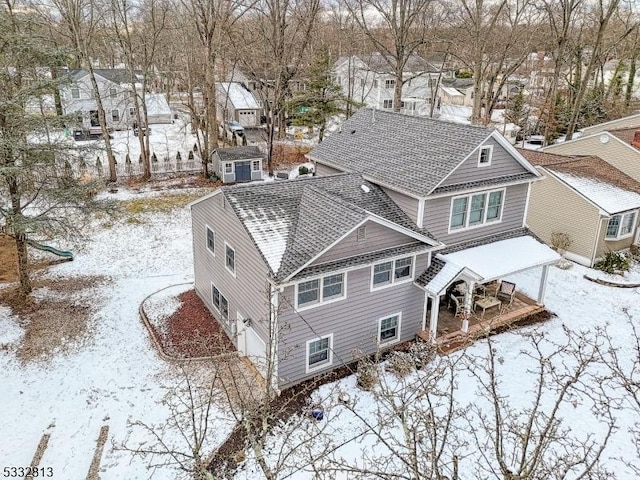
x,y
370,80
236,102
456,91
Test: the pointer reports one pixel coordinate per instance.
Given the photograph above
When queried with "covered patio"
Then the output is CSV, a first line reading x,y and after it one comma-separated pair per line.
x,y
465,290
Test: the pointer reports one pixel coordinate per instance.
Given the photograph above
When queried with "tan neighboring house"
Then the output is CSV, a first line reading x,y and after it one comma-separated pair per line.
x,y
595,204
616,146
631,121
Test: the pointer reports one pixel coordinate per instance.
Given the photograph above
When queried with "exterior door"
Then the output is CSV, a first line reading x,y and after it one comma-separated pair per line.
x,y
95,119
247,118
243,171
241,334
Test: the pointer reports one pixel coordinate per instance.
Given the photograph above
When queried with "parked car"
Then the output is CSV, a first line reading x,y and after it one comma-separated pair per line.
x,y
231,130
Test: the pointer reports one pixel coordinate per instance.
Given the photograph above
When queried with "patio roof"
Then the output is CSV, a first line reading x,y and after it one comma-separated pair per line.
x,y
495,260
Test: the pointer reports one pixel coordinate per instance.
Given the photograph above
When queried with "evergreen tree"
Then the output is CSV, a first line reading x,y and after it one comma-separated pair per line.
x,y
321,100
40,198
517,111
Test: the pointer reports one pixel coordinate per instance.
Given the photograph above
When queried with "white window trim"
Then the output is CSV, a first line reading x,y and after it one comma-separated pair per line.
x,y
484,222
393,282
230,164
259,162
482,148
622,217
214,305
321,300
206,239
329,363
235,260
394,340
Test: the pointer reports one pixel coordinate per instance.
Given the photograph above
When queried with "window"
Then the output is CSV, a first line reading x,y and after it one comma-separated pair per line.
x,y
389,84
361,233
255,165
220,302
75,93
112,92
115,115
389,329
230,259
382,273
319,352
332,286
477,209
387,104
375,83
484,156
228,168
132,111
211,240
320,290
621,226
308,292
401,268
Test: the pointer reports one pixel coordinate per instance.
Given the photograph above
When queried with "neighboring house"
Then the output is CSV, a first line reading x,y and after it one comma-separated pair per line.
x,y
309,272
238,164
370,80
114,86
456,91
614,146
630,121
236,102
593,203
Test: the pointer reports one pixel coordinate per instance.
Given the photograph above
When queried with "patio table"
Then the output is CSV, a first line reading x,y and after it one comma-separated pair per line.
x,y
486,302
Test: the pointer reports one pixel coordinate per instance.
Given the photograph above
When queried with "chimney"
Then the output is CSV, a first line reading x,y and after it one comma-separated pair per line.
x,y
636,139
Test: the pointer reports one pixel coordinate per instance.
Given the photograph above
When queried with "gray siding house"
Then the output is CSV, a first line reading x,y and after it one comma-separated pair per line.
x,y
308,274
238,164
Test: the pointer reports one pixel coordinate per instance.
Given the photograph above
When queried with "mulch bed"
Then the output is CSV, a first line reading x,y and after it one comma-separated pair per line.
x,y
192,331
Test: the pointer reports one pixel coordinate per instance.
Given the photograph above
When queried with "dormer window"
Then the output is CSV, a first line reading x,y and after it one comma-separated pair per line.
x,y
484,156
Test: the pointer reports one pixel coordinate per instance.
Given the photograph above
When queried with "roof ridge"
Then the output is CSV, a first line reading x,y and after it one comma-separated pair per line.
x,y
430,120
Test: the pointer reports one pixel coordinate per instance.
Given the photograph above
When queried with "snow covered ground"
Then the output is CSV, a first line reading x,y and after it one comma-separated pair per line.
x,y
113,378
117,376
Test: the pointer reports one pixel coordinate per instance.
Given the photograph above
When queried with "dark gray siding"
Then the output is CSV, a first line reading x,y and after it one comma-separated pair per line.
x,y
437,211
408,204
352,321
247,292
502,164
324,170
378,237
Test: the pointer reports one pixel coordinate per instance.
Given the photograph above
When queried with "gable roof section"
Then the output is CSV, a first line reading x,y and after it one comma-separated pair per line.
x,y
406,153
593,178
380,63
239,153
611,124
240,97
293,222
627,135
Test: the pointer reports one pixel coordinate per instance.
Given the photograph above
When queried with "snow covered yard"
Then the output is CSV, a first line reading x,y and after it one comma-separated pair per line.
x,y
115,375
345,436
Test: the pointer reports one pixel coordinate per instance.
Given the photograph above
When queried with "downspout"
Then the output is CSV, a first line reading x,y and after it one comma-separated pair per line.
x,y
272,361
595,243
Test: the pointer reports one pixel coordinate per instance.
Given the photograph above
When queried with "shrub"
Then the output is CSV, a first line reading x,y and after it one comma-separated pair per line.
x,y
422,353
560,241
400,363
302,170
614,262
367,374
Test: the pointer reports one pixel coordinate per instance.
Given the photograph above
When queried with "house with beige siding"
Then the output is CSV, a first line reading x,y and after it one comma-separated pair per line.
x,y
630,121
307,275
585,198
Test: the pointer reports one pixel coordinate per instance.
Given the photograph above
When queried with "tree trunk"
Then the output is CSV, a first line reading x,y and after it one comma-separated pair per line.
x,y
397,89
23,264
56,92
632,75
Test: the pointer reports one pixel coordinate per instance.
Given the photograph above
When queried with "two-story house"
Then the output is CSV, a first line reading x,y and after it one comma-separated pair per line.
x,y
370,80
306,275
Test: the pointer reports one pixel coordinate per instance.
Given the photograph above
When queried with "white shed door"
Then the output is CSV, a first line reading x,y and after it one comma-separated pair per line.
x,y
251,345
247,118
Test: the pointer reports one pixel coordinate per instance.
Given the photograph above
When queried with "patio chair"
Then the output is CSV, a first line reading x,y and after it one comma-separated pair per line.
x,y
505,292
453,300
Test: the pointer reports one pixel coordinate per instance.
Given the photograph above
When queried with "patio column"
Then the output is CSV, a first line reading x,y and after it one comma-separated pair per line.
x,y
543,284
468,300
433,320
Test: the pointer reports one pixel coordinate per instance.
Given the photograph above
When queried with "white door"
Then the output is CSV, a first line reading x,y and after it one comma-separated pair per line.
x,y
241,334
247,118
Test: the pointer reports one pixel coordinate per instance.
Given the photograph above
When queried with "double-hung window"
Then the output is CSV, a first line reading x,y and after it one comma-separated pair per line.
x,y
389,329
255,165
476,209
484,156
390,84
320,290
230,259
387,103
621,226
220,302
388,273
228,168
211,240
319,352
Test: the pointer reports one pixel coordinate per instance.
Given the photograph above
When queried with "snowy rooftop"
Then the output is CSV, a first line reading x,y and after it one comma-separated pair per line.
x,y
498,259
610,198
239,96
157,104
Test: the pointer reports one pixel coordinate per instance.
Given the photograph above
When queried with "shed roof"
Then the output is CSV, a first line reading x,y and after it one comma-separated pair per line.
x,y
240,97
239,153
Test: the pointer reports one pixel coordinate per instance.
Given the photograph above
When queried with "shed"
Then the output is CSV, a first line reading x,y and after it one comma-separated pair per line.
x,y
158,110
238,164
236,102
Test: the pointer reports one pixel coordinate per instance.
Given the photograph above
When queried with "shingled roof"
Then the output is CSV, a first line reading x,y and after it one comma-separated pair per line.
x,y
239,153
292,222
410,153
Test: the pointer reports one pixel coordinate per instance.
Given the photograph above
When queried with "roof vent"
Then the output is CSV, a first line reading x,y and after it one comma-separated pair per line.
x,y
352,132
365,189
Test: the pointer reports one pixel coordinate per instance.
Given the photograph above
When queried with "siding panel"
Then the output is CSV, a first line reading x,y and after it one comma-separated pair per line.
x,y
502,164
554,207
247,291
324,170
353,321
437,215
378,237
409,205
